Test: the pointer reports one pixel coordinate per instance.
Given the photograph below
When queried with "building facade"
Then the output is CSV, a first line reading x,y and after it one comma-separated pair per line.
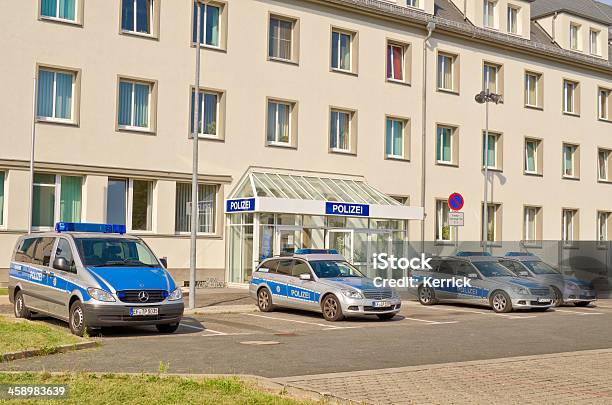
x,y
374,93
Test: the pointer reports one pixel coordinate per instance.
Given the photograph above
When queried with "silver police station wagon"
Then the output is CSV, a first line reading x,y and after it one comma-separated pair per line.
x,y
321,281
566,289
492,285
93,275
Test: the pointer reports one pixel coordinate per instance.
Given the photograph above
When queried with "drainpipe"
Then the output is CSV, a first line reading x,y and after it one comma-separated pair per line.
x,y
465,10
431,26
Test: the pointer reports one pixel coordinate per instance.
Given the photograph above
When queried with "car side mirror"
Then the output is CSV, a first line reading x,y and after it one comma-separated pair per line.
x,y
61,263
473,275
164,262
523,274
305,277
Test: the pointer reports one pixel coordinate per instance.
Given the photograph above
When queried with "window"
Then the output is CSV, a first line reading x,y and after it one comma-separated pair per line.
x,y
395,62
280,39
513,21
445,148
134,105
142,205
64,251
594,42
395,138
55,198
2,178
604,109
209,24
533,96
491,78
116,201
59,9
412,3
533,156
574,36
570,97
42,251
137,16
208,114
279,123
342,50
443,230
603,218
207,208
493,153
490,14
570,161
446,72
531,224
603,164
493,222
340,130
569,231
55,95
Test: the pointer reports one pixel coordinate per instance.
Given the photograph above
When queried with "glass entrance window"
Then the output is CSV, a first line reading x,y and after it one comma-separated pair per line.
x,y
342,242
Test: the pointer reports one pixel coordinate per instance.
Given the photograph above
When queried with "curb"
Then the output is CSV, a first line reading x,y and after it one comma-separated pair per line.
x,y
222,309
43,352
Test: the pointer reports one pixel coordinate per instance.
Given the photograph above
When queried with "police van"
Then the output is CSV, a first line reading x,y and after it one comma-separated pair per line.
x,y
93,275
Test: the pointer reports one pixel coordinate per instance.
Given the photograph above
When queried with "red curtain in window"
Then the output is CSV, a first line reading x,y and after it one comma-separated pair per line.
x,y
397,63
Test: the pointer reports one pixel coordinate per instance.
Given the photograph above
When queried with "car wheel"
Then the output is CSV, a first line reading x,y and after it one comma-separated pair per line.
x,y
500,302
557,297
427,296
77,319
582,303
332,311
21,311
167,327
385,317
264,300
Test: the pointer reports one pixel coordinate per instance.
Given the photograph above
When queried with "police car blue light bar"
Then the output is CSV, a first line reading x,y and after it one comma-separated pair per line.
x,y
515,254
316,251
86,227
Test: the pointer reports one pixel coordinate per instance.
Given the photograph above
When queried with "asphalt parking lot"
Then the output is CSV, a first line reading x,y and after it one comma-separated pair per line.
x,y
290,343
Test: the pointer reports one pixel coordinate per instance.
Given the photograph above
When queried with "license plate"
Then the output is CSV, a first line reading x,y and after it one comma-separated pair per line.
x,y
544,300
380,304
144,311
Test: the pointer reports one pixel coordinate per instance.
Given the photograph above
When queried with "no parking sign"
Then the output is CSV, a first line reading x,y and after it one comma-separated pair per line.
x,y
455,201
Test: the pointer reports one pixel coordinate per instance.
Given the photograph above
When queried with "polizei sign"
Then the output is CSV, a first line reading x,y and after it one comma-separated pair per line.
x,y
240,205
352,210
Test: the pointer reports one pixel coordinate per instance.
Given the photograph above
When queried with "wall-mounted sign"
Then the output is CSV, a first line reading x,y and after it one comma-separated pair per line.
x,y
240,205
455,201
347,209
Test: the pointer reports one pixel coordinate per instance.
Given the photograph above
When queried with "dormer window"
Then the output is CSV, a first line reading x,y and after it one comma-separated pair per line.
x,y
574,36
490,14
594,42
513,21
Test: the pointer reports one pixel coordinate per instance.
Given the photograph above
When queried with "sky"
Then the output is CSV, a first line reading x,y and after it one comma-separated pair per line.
x,y
606,1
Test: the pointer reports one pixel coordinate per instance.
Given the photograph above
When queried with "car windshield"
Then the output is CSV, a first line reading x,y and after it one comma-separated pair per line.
x,y
538,267
333,269
115,252
493,269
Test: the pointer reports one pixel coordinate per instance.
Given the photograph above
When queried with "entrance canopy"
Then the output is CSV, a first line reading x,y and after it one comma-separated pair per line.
x,y
263,190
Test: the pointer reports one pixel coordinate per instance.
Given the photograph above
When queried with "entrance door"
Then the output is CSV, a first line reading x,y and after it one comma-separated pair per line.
x,y
288,239
342,241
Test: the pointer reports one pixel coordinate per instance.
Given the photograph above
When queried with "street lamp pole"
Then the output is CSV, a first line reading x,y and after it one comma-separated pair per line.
x,y
486,97
194,174
32,146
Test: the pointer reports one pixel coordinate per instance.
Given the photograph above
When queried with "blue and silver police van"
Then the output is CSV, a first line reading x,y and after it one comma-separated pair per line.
x,y
93,275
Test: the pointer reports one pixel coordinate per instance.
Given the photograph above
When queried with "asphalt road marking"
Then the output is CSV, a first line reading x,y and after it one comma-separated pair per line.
x,y
192,327
430,322
304,322
453,309
579,312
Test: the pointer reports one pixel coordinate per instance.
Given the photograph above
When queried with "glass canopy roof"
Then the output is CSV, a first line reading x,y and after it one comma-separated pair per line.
x,y
308,187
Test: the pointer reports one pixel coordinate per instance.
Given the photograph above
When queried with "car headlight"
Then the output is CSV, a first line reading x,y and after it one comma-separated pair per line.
x,y
177,294
100,295
352,293
520,290
572,286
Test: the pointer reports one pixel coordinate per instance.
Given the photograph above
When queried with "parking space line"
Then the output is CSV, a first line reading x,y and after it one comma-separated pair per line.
x,y
302,322
507,316
192,327
430,322
579,312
